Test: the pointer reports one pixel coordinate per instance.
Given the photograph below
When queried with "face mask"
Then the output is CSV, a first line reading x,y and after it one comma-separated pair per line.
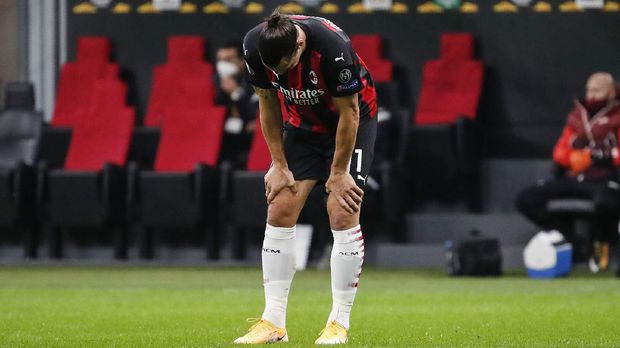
x,y
595,105
226,69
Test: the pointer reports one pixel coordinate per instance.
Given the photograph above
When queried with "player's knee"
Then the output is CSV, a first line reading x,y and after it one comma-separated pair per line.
x,y
341,220
280,215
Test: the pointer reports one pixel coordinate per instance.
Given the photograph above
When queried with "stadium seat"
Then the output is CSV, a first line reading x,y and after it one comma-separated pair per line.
x,y
185,49
77,79
185,72
451,85
442,144
90,190
370,48
259,158
96,49
20,128
182,190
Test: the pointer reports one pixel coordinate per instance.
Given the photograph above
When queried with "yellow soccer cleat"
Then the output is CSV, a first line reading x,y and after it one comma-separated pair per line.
x,y
600,258
263,332
333,333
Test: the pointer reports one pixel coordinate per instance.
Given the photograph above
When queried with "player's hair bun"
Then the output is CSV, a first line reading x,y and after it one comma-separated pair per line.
x,y
273,20
278,38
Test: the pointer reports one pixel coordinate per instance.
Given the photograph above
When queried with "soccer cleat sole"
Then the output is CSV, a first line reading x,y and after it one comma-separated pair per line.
x,y
271,340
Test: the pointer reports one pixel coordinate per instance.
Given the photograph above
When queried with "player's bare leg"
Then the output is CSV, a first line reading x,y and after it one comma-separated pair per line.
x,y
346,265
278,263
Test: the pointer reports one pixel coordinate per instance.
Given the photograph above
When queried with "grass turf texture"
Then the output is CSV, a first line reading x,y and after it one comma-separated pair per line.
x,y
206,307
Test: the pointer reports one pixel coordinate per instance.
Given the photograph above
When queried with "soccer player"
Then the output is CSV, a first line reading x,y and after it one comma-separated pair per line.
x,y
328,138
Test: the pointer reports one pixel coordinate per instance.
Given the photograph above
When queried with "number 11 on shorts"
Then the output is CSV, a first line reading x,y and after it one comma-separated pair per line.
x,y
358,152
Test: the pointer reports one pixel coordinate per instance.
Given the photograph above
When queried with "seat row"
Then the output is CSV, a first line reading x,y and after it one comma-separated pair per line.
x,y
104,180
105,172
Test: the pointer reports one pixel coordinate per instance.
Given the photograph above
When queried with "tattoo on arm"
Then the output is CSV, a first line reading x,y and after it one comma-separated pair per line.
x,y
266,93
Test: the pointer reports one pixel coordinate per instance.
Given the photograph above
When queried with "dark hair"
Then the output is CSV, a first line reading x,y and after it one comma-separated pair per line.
x,y
278,39
233,44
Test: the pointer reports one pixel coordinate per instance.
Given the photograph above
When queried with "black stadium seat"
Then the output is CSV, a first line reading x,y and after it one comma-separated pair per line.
x,y
20,128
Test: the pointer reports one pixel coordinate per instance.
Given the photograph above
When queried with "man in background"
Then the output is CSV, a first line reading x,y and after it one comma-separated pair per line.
x,y
234,92
587,154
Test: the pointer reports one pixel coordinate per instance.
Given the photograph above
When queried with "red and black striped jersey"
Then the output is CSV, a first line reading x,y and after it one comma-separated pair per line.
x,y
329,67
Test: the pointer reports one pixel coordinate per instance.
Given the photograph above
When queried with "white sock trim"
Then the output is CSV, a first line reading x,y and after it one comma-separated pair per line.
x,y
348,235
280,232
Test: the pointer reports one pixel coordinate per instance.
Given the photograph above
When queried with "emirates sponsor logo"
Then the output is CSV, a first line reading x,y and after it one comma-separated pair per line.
x,y
307,97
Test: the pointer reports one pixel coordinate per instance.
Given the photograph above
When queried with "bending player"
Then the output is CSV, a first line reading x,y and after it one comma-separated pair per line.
x,y
329,138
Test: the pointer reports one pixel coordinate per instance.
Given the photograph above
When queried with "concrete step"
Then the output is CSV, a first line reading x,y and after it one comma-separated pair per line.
x,y
510,229
433,256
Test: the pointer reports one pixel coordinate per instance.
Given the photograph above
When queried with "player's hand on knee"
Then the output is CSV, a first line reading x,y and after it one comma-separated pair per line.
x,y
346,191
276,179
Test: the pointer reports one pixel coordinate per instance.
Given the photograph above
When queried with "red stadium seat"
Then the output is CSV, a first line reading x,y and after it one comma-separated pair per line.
x,y
457,46
196,94
95,49
449,90
259,157
169,92
161,94
99,140
368,46
103,135
75,87
109,95
190,137
381,71
185,49
170,81
451,86
77,92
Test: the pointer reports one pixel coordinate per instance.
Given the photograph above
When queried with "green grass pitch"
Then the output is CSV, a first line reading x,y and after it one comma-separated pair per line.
x,y
58,306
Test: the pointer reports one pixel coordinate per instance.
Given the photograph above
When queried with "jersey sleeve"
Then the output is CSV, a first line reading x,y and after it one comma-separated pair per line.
x,y
255,69
341,69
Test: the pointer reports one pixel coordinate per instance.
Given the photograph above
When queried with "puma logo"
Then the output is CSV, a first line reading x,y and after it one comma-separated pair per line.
x,y
340,58
359,177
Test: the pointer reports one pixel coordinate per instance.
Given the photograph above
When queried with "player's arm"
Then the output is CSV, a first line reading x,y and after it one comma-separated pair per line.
x,y
271,123
279,176
340,182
